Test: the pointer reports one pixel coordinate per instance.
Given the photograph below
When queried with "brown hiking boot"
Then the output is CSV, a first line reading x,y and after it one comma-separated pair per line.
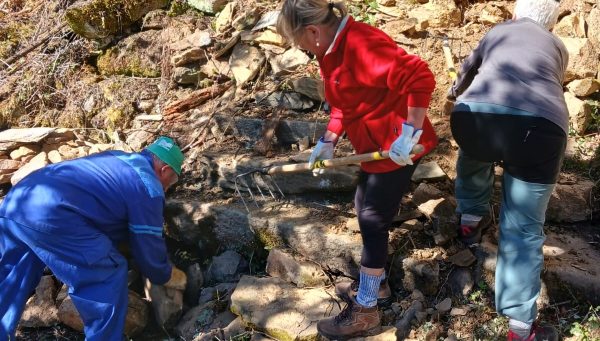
x,y
538,333
355,320
345,290
472,234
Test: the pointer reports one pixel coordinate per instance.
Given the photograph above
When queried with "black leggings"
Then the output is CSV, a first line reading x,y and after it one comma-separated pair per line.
x,y
530,148
377,200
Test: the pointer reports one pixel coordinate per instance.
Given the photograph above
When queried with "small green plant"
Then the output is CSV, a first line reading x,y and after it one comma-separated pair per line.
x,y
595,121
364,11
178,7
589,328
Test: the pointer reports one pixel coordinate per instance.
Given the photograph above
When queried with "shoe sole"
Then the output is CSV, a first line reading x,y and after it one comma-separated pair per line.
x,y
381,302
369,332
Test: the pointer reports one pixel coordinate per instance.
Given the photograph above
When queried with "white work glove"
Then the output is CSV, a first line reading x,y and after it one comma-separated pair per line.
x,y
322,151
401,148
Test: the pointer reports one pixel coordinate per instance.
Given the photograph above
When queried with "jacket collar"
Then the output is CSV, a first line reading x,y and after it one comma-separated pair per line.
x,y
345,24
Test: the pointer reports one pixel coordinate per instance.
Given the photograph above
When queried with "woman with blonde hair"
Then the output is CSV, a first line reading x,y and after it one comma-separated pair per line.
x,y
379,97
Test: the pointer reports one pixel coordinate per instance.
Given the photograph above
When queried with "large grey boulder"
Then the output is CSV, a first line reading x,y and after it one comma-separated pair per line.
x,y
208,225
190,221
280,309
305,232
100,19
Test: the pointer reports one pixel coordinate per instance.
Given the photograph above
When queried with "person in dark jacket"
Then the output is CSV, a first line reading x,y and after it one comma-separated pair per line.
x,y
379,96
70,217
510,109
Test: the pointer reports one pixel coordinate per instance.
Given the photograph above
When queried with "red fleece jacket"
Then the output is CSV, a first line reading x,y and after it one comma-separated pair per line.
x,y
369,83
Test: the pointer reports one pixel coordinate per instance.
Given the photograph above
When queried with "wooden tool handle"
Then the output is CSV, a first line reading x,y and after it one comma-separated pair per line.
x,y
341,161
449,61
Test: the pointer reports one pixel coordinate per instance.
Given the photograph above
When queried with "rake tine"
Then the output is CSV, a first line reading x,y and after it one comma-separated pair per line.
x,y
252,195
237,190
258,184
276,186
268,185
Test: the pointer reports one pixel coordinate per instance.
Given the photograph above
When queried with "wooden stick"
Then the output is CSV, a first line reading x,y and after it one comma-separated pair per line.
x,y
449,60
342,161
24,52
194,100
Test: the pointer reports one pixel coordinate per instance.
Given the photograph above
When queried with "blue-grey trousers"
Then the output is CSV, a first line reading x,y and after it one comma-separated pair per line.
x,y
531,150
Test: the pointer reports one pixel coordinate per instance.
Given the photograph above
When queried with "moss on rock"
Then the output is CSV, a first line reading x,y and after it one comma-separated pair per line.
x,y
137,55
98,19
12,35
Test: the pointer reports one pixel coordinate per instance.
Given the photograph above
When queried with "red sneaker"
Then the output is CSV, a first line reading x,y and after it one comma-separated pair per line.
x,y
538,333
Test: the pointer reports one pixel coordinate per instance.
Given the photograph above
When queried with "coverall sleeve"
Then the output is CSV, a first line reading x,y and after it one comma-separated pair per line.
x,y
146,239
378,62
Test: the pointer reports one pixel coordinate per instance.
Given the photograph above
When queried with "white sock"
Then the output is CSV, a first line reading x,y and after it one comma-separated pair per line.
x,y
522,329
470,220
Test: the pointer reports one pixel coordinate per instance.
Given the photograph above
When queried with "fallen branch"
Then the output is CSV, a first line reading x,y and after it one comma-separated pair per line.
x,y
174,111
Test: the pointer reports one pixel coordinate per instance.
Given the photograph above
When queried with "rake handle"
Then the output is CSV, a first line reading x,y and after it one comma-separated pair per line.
x,y
449,61
341,161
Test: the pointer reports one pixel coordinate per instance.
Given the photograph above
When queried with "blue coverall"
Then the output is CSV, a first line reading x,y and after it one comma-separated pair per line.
x,y
70,216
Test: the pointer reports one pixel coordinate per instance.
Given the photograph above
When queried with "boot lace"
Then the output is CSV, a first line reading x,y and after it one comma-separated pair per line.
x,y
345,314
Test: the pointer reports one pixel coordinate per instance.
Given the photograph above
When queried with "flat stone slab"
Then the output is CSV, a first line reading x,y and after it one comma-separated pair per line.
x,y
428,171
25,135
280,309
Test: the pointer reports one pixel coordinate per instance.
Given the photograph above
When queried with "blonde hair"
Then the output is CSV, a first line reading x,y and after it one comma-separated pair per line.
x,y
297,14
544,12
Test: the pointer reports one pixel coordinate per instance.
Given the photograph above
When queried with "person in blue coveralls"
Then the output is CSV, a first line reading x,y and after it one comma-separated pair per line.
x,y
70,216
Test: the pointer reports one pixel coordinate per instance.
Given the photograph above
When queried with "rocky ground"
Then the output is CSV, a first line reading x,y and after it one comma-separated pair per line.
x,y
79,77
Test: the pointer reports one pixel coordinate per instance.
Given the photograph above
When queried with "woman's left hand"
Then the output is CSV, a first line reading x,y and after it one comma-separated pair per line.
x,y
403,145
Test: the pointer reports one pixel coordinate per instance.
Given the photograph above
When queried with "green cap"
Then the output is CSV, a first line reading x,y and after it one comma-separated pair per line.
x,y
168,152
